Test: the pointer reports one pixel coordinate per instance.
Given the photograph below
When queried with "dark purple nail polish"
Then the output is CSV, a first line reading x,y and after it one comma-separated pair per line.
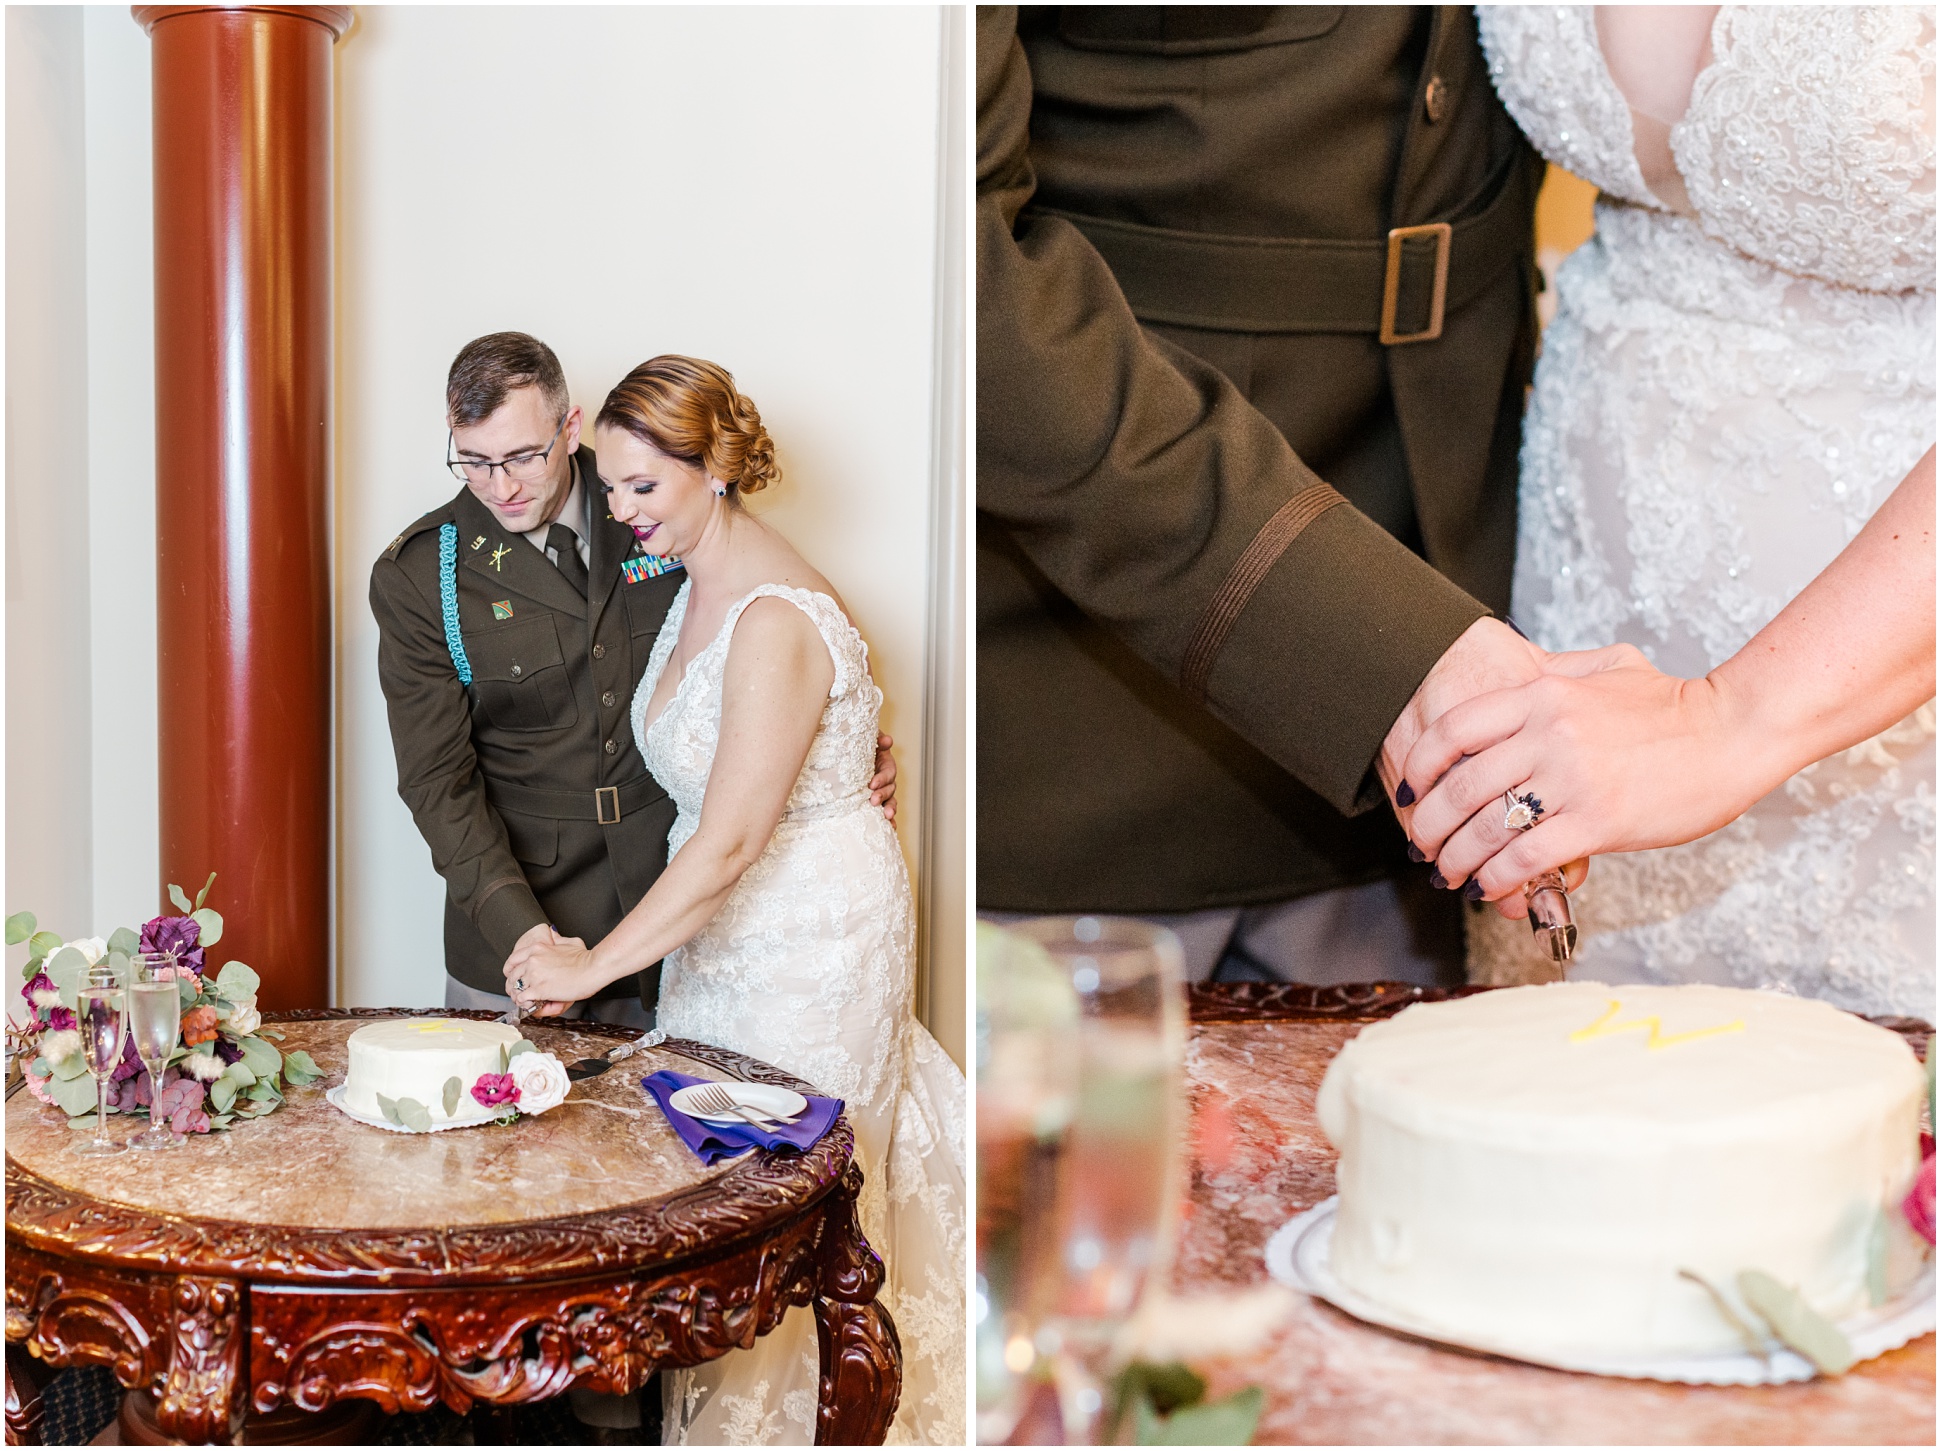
x,y
1473,890
1416,854
1405,795
1435,880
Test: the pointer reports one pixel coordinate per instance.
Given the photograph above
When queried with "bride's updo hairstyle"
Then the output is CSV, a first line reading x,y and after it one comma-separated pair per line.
x,y
690,409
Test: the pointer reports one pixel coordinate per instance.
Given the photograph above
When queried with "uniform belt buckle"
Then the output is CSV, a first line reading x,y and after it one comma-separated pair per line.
x,y
604,796
1392,282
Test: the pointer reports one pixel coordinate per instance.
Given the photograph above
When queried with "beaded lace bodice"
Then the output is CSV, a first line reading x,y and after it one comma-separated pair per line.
x,y
1727,393
810,965
679,746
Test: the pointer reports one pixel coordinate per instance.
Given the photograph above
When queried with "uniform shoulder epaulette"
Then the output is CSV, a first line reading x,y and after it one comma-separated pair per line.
x,y
441,515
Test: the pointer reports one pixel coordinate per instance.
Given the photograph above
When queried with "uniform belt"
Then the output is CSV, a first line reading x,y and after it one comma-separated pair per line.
x,y
1398,287
606,805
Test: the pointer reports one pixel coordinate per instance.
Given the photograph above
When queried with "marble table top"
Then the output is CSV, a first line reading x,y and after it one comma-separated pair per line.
x,y
308,1165
1258,1158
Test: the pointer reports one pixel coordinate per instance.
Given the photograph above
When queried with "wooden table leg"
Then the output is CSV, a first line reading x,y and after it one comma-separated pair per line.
x,y
862,1359
26,1379
201,1399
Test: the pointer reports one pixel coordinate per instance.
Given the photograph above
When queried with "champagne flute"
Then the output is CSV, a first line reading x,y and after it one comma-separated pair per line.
x,y
1027,1091
155,1021
101,1006
1118,1214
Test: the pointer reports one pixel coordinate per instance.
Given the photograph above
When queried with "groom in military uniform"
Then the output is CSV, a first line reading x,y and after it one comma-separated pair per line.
x,y
513,624
1255,317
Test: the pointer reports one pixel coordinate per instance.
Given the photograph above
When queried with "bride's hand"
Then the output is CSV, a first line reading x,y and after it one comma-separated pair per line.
x,y
546,976
1621,757
882,786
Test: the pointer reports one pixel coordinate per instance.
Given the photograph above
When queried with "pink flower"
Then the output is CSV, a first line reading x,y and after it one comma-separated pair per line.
x,y
1919,1204
37,1085
494,1089
180,1102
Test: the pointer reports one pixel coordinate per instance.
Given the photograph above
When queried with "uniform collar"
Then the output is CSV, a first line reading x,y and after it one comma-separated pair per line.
x,y
507,563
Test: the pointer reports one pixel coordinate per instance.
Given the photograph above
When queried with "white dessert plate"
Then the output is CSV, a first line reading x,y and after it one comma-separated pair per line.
x,y
1297,1256
479,1115
762,1098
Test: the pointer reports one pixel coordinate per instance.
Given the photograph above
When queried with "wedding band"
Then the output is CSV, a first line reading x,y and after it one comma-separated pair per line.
x,y
1521,812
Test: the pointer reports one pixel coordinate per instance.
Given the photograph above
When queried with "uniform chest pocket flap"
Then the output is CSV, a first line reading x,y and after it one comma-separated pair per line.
x,y
519,675
1191,29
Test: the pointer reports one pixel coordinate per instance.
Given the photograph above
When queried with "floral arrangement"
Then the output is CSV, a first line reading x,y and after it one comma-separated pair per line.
x,y
224,1066
528,1082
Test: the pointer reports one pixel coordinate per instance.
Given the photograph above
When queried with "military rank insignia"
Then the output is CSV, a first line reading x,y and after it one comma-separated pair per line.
x,y
644,567
502,609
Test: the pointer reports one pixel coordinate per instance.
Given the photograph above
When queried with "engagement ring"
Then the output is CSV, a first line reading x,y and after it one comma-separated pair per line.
x,y
519,985
1520,813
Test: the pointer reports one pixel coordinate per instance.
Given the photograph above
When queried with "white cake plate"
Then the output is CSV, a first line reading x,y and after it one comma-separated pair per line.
x,y
1297,1256
481,1115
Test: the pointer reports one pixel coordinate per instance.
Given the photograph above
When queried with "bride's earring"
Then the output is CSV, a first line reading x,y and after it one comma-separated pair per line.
x,y
722,492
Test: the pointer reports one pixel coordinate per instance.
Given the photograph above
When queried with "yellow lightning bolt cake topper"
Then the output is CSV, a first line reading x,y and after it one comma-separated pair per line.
x,y
1604,1027
498,557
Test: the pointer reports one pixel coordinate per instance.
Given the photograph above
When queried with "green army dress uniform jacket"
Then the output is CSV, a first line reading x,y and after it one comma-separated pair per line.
x,y
1246,458
526,784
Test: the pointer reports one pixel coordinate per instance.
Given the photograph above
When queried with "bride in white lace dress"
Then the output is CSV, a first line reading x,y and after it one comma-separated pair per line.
x,y
1723,467
784,914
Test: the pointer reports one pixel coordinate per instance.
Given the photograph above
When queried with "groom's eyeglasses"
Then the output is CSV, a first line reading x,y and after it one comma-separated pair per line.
x,y
522,466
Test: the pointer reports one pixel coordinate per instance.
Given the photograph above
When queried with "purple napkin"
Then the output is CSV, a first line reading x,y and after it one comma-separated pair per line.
x,y
720,1141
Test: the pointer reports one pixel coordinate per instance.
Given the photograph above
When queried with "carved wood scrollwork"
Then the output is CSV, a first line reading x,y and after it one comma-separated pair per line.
x,y
861,1358
68,1315
199,1401
409,1349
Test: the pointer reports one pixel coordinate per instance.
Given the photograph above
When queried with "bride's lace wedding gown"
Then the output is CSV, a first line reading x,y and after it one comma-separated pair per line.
x,y
809,965
1730,387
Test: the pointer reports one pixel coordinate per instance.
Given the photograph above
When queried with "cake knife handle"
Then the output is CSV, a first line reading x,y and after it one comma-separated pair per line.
x,y
1550,917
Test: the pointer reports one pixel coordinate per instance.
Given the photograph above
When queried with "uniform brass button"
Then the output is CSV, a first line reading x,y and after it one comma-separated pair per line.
x,y
599,652
1436,99
606,699
611,748
517,672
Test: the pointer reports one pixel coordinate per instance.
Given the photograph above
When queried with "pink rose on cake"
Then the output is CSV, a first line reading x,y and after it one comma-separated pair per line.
x,y
494,1089
542,1081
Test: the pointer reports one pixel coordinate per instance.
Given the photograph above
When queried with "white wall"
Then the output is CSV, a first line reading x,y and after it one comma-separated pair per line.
x,y
82,848
756,186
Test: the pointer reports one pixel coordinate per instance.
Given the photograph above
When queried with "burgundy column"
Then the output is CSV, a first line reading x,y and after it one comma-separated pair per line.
x,y
242,409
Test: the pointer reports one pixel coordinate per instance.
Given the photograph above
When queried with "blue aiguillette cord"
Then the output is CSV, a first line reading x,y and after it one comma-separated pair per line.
x,y
448,597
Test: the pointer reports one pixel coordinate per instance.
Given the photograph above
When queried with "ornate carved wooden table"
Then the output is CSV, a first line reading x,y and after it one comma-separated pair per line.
x,y
304,1258
1254,1063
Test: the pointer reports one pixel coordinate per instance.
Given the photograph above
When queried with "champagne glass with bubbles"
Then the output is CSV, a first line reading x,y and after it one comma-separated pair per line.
x,y
101,1007
154,1021
1118,1210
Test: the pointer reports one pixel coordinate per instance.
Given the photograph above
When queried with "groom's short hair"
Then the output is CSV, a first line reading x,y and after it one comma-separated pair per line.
x,y
488,368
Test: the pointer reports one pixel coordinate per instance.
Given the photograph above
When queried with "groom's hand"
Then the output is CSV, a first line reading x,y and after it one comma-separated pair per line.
x,y
1488,656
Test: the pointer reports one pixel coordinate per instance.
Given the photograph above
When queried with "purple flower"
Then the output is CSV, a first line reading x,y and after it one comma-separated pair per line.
x,y
130,1065
179,935
228,1051
59,1018
39,982
493,1089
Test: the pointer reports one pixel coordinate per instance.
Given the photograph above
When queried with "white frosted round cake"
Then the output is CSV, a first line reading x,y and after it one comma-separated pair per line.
x,y
415,1057
1528,1170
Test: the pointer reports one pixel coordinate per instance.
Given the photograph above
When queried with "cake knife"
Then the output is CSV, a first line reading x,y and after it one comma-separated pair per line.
x,y
1550,917
593,1067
